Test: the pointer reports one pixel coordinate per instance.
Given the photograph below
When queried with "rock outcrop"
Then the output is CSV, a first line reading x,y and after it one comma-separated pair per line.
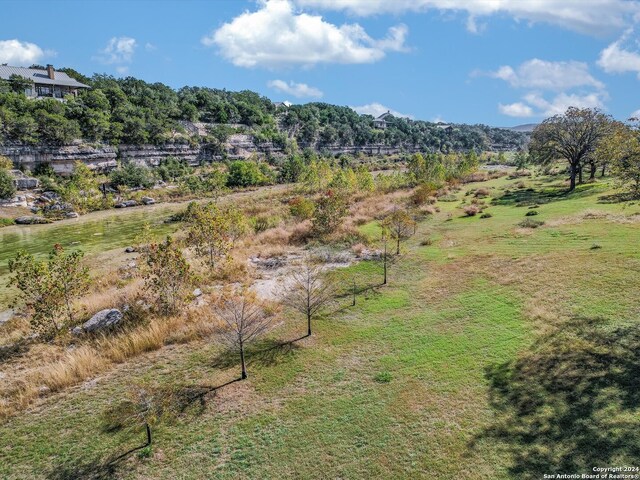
x,y
31,220
102,320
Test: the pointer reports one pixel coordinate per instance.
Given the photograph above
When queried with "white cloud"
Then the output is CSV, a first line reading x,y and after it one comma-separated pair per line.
x,y
298,90
277,36
377,109
586,16
544,75
571,83
535,104
15,52
517,109
119,50
618,58
635,114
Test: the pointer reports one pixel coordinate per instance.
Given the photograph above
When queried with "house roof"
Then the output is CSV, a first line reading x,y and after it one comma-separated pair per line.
x,y
384,116
40,76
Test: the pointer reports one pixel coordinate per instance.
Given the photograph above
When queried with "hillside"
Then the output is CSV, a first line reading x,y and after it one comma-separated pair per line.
x,y
129,111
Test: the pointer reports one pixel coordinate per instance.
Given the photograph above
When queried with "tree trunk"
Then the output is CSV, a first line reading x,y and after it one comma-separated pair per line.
x,y
384,263
604,169
354,294
398,247
244,366
572,178
308,324
580,174
592,173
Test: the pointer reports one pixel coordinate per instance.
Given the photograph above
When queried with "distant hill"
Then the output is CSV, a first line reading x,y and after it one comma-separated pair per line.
x,y
527,128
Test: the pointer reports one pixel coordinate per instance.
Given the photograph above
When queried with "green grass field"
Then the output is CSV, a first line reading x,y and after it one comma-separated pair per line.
x,y
496,352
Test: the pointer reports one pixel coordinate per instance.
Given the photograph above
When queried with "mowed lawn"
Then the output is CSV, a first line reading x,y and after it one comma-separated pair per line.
x,y
495,352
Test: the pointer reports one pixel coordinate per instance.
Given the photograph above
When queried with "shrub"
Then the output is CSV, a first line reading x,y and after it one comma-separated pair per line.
x,y
482,193
426,242
448,198
301,208
531,213
7,186
132,176
471,210
486,215
6,163
530,223
329,212
246,173
596,246
263,222
5,222
423,193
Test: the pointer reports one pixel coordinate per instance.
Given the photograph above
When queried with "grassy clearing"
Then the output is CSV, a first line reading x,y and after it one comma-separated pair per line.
x,y
481,359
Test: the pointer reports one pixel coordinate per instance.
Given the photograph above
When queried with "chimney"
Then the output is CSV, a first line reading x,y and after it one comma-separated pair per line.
x,y
51,72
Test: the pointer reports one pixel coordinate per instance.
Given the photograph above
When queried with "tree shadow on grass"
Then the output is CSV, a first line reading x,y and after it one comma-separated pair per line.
x,y
85,470
570,403
265,353
531,196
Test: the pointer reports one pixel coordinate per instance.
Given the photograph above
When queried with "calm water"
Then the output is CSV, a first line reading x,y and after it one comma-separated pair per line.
x,y
93,233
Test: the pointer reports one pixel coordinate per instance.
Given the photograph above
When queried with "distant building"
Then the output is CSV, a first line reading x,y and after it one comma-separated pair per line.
x,y
381,121
447,128
45,83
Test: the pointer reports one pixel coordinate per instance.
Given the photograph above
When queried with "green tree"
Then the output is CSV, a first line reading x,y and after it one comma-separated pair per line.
x,y
132,176
329,211
245,173
7,185
621,147
209,232
167,275
48,288
573,136
522,159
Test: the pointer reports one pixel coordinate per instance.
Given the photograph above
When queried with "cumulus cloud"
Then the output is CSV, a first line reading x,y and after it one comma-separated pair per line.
x,y
377,109
119,50
277,36
586,16
544,75
620,57
298,90
570,83
16,52
535,104
517,109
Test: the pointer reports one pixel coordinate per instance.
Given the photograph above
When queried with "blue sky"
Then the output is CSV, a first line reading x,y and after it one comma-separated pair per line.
x,y
499,62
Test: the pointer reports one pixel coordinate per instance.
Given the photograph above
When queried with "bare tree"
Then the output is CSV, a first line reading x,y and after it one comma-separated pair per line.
x,y
573,136
309,290
243,320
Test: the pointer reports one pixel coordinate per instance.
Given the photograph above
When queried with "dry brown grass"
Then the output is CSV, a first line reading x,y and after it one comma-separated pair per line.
x,y
50,368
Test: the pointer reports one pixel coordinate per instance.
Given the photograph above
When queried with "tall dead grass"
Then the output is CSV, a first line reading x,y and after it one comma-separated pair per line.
x,y
52,368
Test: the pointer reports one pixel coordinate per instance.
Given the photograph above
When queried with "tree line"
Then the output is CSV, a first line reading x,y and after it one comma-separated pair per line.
x,y
131,111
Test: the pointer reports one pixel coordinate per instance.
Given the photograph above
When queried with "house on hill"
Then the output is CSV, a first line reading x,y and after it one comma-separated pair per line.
x,y
446,127
44,83
381,121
